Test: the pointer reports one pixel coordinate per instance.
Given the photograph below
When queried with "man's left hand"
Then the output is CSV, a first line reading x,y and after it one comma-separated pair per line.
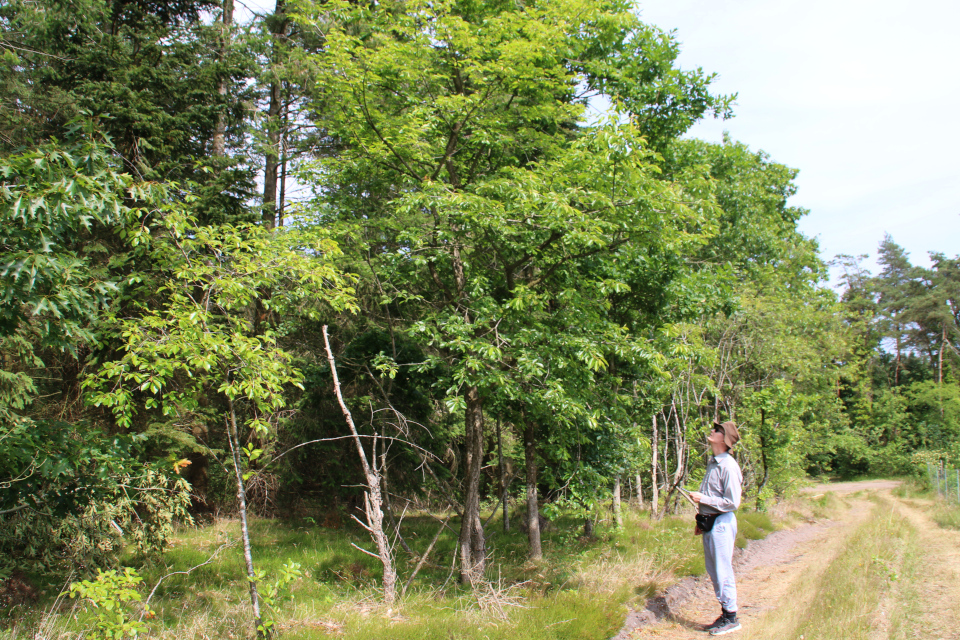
x,y
696,496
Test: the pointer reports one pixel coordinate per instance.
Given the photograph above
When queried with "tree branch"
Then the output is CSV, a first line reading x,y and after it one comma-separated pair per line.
x,y
228,543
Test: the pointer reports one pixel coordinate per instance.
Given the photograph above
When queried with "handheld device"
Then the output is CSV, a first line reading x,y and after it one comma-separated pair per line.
x,y
686,494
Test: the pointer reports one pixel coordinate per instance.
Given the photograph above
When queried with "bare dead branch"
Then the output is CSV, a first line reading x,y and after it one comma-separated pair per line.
x,y
423,558
228,543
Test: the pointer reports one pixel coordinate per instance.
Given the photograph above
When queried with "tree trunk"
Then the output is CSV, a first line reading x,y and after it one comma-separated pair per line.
x,y
655,498
665,467
680,449
278,29
284,141
503,481
943,345
198,473
896,370
244,529
617,513
639,486
763,455
533,508
473,549
272,158
373,498
220,132
670,503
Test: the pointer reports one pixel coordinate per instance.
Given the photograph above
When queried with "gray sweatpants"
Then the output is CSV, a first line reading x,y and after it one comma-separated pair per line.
x,y
718,554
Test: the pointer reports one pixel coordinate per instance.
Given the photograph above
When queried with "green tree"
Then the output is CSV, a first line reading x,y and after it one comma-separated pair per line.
x,y
763,336
758,227
775,436
894,286
203,337
57,496
934,309
149,73
493,222
934,416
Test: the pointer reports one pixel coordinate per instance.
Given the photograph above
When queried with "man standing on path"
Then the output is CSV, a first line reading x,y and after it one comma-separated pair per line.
x,y
718,498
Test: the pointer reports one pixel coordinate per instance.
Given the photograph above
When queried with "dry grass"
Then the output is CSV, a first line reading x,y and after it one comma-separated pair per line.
x,y
214,621
497,599
608,575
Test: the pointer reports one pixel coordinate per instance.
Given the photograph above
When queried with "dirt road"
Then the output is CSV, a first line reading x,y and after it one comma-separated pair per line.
x,y
853,487
879,569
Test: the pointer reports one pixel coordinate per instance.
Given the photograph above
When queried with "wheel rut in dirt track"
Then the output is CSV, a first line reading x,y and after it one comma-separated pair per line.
x,y
936,607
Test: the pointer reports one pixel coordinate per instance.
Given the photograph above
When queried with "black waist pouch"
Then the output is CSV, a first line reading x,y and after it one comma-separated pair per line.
x,y
705,522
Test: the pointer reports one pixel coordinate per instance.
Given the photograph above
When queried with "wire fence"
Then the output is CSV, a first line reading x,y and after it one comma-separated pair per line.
x,y
946,481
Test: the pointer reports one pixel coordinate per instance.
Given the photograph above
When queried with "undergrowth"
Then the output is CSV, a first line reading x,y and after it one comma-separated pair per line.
x,y
581,588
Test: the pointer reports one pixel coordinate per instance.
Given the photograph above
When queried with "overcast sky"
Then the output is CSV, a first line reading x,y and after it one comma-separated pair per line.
x,y
860,96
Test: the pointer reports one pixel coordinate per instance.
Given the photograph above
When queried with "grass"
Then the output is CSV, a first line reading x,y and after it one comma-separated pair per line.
x,y
555,598
947,516
581,588
857,573
850,590
902,623
945,513
753,525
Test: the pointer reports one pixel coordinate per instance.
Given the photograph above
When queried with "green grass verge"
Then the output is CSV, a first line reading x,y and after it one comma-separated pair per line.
x,y
753,525
580,590
945,513
861,575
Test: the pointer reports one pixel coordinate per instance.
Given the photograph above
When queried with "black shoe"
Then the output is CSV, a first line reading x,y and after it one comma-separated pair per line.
x,y
718,622
729,624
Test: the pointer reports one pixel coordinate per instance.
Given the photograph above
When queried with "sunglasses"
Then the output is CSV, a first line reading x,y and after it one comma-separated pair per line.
x,y
719,430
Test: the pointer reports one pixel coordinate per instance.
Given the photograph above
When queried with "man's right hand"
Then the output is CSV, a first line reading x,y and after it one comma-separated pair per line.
x,y
696,530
